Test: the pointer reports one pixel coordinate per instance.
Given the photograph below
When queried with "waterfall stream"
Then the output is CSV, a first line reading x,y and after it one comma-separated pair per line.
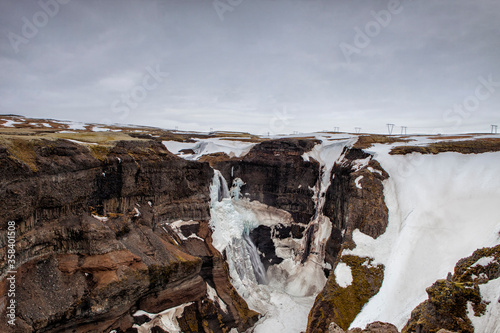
x,y
241,252
285,293
223,191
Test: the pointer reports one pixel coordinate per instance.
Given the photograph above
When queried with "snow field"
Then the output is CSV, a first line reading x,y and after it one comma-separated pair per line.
x,y
441,209
232,148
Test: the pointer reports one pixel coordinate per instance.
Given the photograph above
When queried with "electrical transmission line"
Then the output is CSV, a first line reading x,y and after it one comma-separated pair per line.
x,y
390,127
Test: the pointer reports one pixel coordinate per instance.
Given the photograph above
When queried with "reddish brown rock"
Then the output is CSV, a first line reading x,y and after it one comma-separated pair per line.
x,y
90,247
376,327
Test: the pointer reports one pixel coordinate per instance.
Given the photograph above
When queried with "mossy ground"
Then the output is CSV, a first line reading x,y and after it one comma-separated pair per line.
x,y
446,306
162,275
342,305
366,141
477,146
22,150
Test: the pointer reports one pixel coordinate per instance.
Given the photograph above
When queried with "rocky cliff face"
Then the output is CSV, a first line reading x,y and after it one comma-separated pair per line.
x,y
454,301
354,200
93,246
275,174
115,236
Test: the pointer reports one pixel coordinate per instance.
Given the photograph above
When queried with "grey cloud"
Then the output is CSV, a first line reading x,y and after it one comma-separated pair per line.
x,y
264,56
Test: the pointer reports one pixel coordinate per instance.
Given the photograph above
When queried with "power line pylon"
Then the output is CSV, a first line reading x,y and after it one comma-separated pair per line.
x,y
390,127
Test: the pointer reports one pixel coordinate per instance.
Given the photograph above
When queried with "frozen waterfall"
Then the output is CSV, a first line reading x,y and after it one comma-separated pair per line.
x,y
231,232
220,183
242,255
285,293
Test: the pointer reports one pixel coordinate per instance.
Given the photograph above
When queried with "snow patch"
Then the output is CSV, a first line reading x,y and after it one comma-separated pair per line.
x,y
484,261
10,123
166,320
440,210
101,129
343,275
100,218
359,164
137,212
175,146
232,148
176,227
81,142
490,320
214,297
75,126
195,236
372,170
357,180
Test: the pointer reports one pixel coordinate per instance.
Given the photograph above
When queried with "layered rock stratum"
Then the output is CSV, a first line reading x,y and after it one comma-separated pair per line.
x,y
113,229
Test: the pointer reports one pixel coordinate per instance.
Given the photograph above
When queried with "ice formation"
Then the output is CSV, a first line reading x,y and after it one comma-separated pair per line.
x,y
441,208
286,292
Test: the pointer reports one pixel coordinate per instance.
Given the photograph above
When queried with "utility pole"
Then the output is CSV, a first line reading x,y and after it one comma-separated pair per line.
x,y
403,130
336,129
357,129
494,129
390,127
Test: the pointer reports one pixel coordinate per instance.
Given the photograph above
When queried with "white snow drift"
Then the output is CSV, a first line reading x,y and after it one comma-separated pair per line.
x,y
441,208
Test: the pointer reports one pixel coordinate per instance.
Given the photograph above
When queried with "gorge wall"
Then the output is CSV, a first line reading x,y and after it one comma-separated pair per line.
x,y
117,235
93,244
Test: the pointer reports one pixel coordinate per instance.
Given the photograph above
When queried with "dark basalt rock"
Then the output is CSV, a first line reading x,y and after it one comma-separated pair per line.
x,y
276,174
376,327
139,320
293,231
350,208
262,238
446,307
84,273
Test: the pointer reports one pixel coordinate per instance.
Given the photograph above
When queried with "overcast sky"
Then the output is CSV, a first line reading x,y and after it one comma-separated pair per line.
x,y
262,66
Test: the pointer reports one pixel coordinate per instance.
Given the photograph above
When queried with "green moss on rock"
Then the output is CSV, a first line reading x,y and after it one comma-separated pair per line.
x,y
160,276
477,146
446,307
342,305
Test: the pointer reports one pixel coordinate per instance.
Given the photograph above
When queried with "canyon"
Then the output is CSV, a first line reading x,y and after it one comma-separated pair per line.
x,y
131,229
